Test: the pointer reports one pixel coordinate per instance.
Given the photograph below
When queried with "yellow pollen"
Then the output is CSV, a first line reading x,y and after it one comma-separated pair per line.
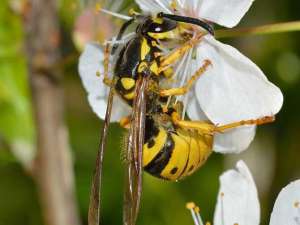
x,y
208,223
98,7
132,12
236,224
165,109
197,209
98,74
297,204
173,5
190,205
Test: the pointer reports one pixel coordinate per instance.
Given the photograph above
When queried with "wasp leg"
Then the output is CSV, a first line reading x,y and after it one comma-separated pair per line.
x,y
201,126
106,79
184,89
169,59
260,121
208,128
125,122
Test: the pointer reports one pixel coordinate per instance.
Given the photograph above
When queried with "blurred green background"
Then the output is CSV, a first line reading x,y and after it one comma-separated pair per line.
x,y
274,156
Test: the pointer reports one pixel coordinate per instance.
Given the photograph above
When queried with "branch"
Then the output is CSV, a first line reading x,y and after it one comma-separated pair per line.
x,y
259,30
53,169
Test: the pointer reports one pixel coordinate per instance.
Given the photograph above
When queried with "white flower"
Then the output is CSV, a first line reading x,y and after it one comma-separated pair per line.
x,y
287,206
234,88
231,90
238,202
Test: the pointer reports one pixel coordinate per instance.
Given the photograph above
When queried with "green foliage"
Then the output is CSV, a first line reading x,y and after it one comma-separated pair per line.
x,y
15,115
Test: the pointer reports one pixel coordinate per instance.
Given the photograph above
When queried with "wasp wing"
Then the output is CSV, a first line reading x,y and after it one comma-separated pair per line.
x,y
133,173
94,207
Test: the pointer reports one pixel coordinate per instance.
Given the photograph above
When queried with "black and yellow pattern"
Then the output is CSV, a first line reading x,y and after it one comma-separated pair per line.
x,y
169,152
141,55
175,155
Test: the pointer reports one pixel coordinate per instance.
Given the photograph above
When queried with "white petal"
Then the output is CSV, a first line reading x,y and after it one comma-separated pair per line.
x,y
233,88
155,6
91,62
234,140
99,104
120,109
287,206
237,198
194,111
227,13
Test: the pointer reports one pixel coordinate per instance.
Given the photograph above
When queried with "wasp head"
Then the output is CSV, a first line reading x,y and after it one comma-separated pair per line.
x,y
157,27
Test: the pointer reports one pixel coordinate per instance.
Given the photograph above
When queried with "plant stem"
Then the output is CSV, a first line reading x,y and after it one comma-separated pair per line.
x,y
259,30
53,170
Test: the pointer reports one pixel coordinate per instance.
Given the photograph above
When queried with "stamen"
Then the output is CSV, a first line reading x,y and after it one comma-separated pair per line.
x,y
132,12
118,15
195,212
181,75
186,97
222,208
173,5
190,205
168,103
99,74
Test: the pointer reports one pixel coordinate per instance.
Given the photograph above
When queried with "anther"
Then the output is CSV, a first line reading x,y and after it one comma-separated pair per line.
x,y
132,12
297,204
98,7
173,5
190,205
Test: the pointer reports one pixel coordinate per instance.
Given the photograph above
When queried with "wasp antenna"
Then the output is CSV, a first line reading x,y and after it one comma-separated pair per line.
x,y
190,20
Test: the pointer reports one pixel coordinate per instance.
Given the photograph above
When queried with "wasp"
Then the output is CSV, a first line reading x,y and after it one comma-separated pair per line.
x,y
159,140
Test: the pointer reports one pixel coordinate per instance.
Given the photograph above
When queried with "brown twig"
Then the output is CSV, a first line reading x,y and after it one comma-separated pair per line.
x,y
53,169
259,30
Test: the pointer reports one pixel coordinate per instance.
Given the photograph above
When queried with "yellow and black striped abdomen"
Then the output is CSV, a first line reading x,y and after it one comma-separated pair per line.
x,y
174,155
